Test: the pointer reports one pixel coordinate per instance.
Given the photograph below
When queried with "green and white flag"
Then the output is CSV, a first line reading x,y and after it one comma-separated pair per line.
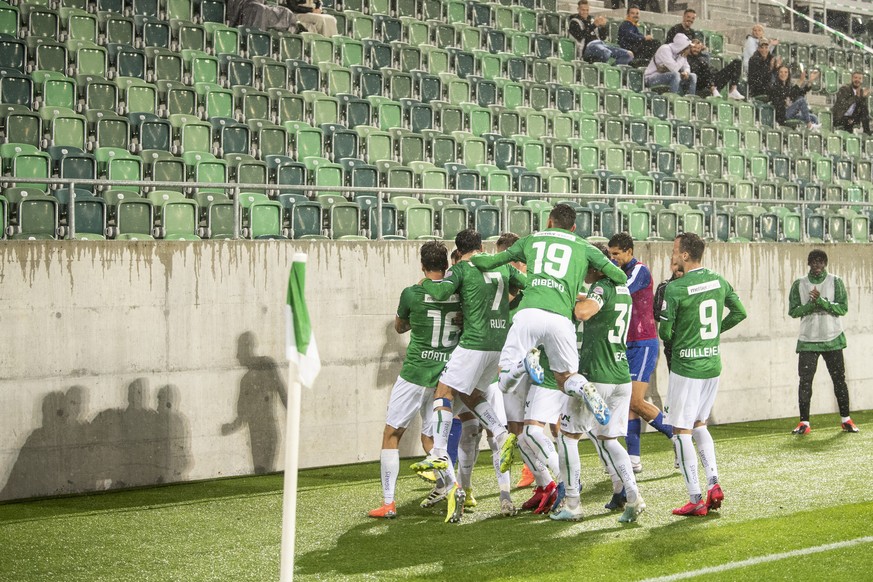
x,y
300,341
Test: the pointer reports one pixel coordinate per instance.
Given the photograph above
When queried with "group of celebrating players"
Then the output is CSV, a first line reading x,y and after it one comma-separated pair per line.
x,y
520,313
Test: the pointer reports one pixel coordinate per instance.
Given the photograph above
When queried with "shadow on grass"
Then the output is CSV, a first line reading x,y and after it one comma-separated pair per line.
x,y
492,548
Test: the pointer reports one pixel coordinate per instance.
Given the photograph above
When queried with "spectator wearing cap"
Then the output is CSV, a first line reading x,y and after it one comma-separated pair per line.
x,y
750,47
762,66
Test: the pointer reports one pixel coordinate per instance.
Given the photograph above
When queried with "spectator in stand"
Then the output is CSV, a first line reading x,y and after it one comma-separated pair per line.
x,y
684,27
850,108
643,46
309,14
750,47
789,101
591,33
762,66
709,82
670,67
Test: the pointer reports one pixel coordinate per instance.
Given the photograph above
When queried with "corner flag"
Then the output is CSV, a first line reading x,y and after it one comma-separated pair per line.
x,y
300,342
300,349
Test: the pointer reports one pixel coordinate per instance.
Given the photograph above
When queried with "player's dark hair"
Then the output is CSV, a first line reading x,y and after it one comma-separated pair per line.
x,y
506,240
622,240
692,244
563,216
691,10
455,256
434,256
631,7
602,248
468,240
817,255
582,3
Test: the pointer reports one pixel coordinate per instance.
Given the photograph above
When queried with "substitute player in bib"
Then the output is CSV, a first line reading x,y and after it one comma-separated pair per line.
x,y
607,312
642,345
693,319
433,336
557,261
485,308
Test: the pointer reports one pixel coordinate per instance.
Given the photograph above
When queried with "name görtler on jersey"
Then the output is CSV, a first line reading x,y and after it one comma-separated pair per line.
x,y
434,355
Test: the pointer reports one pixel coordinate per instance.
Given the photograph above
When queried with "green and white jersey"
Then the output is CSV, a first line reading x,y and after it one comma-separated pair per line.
x,y
484,302
557,262
433,334
693,319
603,357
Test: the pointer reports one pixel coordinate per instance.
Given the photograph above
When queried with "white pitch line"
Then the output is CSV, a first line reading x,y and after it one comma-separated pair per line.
x,y
762,560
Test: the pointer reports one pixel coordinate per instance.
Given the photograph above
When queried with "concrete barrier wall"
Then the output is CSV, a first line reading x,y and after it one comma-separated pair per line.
x,y
128,364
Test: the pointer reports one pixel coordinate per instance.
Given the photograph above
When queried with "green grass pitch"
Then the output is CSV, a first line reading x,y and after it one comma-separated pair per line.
x,y
783,494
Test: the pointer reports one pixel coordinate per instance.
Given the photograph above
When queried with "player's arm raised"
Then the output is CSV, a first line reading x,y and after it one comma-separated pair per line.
x,y
486,262
586,308
737,311
599,261
445,287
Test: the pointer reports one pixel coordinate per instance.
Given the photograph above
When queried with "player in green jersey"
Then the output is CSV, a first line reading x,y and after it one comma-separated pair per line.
x,y
606,312
485,308
557,262
433,336
693,319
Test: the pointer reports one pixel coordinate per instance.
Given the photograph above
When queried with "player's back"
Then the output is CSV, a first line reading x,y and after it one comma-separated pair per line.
x,y
696,304
485,305
557,261
433,334
604,340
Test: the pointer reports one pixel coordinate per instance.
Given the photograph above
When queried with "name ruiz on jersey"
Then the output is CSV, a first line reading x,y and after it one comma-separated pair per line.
x,y
498,324
699,352
704,287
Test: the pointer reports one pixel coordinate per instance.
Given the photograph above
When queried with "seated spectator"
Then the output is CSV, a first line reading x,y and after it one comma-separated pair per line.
x,y
850,109
684,27
591,34
762,65
750,47
630,38
256,14
789,101
670,67
310,15
709,82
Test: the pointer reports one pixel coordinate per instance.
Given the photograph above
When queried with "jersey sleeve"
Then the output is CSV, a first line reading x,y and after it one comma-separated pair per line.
x,y
599,293
486,262
600,262
405,307
795,307
840,305
737,310
665,329
445,287
641,278
517,279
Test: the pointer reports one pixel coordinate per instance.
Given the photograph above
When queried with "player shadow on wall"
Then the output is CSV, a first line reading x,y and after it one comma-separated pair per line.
x,y
256,404
120,447
391,360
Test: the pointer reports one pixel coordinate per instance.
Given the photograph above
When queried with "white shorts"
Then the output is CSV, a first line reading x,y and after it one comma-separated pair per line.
x,y
533,327
545,405
689,400
467,370
617,397
407,400
515,402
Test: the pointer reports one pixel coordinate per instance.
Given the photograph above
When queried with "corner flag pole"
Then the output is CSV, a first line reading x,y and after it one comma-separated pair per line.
x,y
304,365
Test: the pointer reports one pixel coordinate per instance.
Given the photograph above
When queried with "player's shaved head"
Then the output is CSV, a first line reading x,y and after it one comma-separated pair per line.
x,y
468,240
692,244
506,240
434,256
563,216
622,241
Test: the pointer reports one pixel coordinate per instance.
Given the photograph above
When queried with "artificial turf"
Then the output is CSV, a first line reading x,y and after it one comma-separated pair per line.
x,y
783,493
